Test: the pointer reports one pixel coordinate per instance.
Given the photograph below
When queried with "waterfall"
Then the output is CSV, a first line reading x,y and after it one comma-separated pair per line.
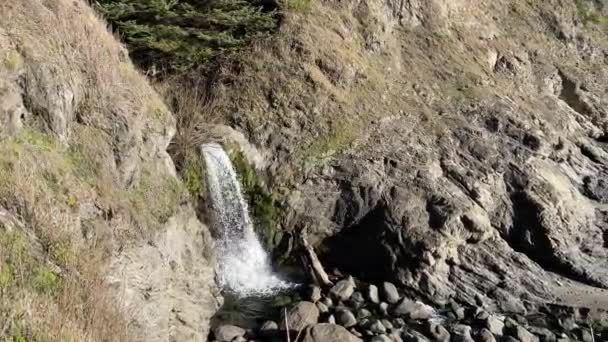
x,y
242,263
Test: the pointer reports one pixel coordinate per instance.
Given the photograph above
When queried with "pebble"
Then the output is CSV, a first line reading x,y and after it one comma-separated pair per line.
x,y
372,294
342,290
390,293
345,318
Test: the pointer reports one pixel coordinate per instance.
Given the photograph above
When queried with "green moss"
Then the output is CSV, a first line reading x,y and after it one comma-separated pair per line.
x,y
297,5
6,275
590,14
12,60
155,198
263,204
192,175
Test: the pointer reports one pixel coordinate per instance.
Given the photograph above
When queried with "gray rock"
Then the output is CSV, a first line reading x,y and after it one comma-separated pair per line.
x,y
520,333
269,326
328,302
485,336
328,332
413,310
461,333
357,299
438,332
495,325
342,290
345,318
239,339
322,307
315,294
372,294
331,319
387,323
481,314
381,338
390,293
544,334
227,333
383,307
395,337
398,322
377,328
300,316
414,336
363,313
586,336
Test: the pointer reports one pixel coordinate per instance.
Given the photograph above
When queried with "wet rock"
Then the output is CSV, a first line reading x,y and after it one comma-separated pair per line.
x,y
495,325
300,316
390,293
345,318
413,310
343,289
372,294
461,333
227,333
485,336
324,332
377,328
268,326
438,332
357,300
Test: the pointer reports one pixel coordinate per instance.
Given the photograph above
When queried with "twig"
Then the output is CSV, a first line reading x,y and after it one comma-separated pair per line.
x,y
286,325
318,273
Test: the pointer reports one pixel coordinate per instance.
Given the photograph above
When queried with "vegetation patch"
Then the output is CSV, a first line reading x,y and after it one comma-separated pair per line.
x,y
263,205
176,35
590,12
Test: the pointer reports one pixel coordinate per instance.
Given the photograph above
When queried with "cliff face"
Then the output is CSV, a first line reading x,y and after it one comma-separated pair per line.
x,y
97,237
456,147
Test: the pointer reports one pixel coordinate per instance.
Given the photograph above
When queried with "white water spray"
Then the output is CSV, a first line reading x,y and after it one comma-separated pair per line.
x,y
242,263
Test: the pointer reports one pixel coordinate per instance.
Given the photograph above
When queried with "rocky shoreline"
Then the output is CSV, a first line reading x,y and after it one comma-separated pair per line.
x,y
352,310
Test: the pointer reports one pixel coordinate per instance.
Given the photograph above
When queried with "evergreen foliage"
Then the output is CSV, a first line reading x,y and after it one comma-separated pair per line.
x,y
173,35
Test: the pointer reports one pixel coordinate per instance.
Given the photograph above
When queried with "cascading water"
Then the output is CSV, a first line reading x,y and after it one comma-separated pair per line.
x,y
242,263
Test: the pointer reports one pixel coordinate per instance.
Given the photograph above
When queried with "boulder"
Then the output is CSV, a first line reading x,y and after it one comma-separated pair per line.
x,y
324,332
437,332
390,293
495,325
377,328
300,316
322,307
343,289
345,318
544,334
520,333
414,336
461,333
413,310
372,294
486,336
314,294
227,333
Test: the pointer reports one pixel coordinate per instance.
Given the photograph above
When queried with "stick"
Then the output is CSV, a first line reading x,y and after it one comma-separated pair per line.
x,y
318,273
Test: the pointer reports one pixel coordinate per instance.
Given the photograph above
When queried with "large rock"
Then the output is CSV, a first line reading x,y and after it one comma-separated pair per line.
x,y
328,333
413,310
437,332
461,333
495,325
345,318
372,294
343,289
390,293
300,316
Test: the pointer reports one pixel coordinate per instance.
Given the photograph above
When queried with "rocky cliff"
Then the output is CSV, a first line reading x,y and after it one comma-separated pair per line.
x,y
98,240
457,148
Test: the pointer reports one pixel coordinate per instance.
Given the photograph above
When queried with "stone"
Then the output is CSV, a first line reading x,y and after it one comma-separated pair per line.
x,y
461,333
331,319
398,322
269,326
342,290
381,338
322,307
395,337
345,318
586,336
377,328
324,332
438,332
387,324
372,294
485,336
519,332
328,302
544,334
495,325
227,333
390,293
363,313
383,308
300,316
357,299
414,336
481,314
314,294
413,310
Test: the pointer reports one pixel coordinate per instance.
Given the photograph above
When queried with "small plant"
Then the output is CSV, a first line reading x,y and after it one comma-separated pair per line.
x,y
297,5
6,275
13,60
44,280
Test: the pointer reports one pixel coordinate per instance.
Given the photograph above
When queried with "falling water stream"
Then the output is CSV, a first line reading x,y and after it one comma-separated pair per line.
x,y
243,265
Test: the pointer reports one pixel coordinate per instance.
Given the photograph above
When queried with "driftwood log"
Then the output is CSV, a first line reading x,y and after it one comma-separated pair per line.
x,y
311,261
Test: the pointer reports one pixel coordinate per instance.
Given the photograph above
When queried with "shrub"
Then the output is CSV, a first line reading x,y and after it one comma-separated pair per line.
x,y
179,34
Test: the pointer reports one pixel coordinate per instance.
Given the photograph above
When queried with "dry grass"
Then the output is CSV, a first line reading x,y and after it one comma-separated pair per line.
x,y
77,205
